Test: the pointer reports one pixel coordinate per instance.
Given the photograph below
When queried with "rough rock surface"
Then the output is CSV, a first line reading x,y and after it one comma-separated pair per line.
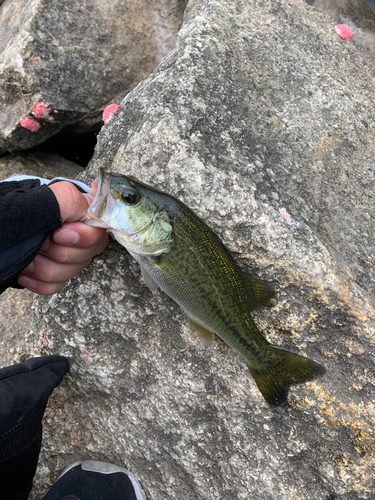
x,y
76,58
261,120
15,322
46,165
358,16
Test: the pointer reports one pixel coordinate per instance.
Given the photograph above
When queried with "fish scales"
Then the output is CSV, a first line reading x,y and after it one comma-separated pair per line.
x,y
212,293
179,253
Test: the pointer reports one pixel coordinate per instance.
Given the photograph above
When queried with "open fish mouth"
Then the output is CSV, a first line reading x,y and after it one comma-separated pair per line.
x,y
106,212
97,187
100,211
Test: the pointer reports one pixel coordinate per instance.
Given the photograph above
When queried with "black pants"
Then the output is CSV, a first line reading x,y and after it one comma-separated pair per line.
x,y
24,392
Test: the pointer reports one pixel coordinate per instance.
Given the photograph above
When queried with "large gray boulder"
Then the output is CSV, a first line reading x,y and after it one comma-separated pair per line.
x,y
261,120
15,322
46,165
76,58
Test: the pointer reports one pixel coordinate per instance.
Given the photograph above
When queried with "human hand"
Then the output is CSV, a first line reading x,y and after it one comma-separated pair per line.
x,y
68,249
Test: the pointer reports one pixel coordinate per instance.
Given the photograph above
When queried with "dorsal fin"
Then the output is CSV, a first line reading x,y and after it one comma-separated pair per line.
x,y
259,292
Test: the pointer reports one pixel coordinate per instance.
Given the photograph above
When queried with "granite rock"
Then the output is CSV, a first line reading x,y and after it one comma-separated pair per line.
x,y
76,58
261,120
45,165
15,322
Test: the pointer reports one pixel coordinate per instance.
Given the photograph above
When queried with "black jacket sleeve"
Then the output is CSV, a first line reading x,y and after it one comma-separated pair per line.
x,y
28,213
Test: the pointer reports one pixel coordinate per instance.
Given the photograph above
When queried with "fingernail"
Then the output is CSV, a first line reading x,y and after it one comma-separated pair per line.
x,y
66,237
29,268
27,282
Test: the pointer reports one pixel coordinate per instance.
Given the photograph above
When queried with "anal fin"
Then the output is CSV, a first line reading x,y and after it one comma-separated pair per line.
x,y
206,335
260,294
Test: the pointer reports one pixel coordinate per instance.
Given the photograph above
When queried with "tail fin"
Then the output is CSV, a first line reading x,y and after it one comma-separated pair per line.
x,y
283,370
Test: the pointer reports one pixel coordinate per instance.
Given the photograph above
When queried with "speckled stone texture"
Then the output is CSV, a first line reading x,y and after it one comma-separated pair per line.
x,y
46,165
261,120
15,322
77,57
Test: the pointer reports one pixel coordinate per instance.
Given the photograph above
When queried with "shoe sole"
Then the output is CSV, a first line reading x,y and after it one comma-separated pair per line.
x,y
105,468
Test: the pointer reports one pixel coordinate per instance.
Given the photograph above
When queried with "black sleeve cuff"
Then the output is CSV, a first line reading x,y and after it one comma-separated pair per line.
x,y
27,216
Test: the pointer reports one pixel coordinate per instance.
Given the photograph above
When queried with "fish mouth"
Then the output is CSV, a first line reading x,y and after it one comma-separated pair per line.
x,y
106,211
100,210
103,212
99,188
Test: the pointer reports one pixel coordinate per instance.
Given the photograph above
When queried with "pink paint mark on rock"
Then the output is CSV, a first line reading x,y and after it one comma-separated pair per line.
x,y
86,355
284,214
30,124
109,111
35,59
344,31
40,110
291,222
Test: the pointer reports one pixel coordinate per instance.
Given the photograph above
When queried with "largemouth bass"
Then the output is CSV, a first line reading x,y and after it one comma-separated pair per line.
x,y
180,254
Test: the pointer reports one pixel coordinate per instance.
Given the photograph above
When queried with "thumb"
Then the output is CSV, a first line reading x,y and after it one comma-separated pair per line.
x,y
73,204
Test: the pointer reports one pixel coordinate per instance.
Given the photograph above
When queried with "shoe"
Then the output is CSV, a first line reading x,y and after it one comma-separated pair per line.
x,y
90,480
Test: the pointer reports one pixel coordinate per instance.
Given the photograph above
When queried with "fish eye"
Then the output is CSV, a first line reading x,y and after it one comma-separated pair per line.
x,y
129,196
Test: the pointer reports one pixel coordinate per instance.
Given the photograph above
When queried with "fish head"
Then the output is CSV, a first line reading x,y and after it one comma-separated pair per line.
x,y
132,212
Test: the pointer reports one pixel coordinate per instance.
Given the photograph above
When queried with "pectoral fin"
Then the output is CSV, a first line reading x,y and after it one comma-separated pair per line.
x,y
168,266
207,336
260,294
153,286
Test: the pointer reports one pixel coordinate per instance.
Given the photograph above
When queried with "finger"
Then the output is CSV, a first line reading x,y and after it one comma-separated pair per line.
x,y
39,287
80,235
73,204
72,254
44,269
